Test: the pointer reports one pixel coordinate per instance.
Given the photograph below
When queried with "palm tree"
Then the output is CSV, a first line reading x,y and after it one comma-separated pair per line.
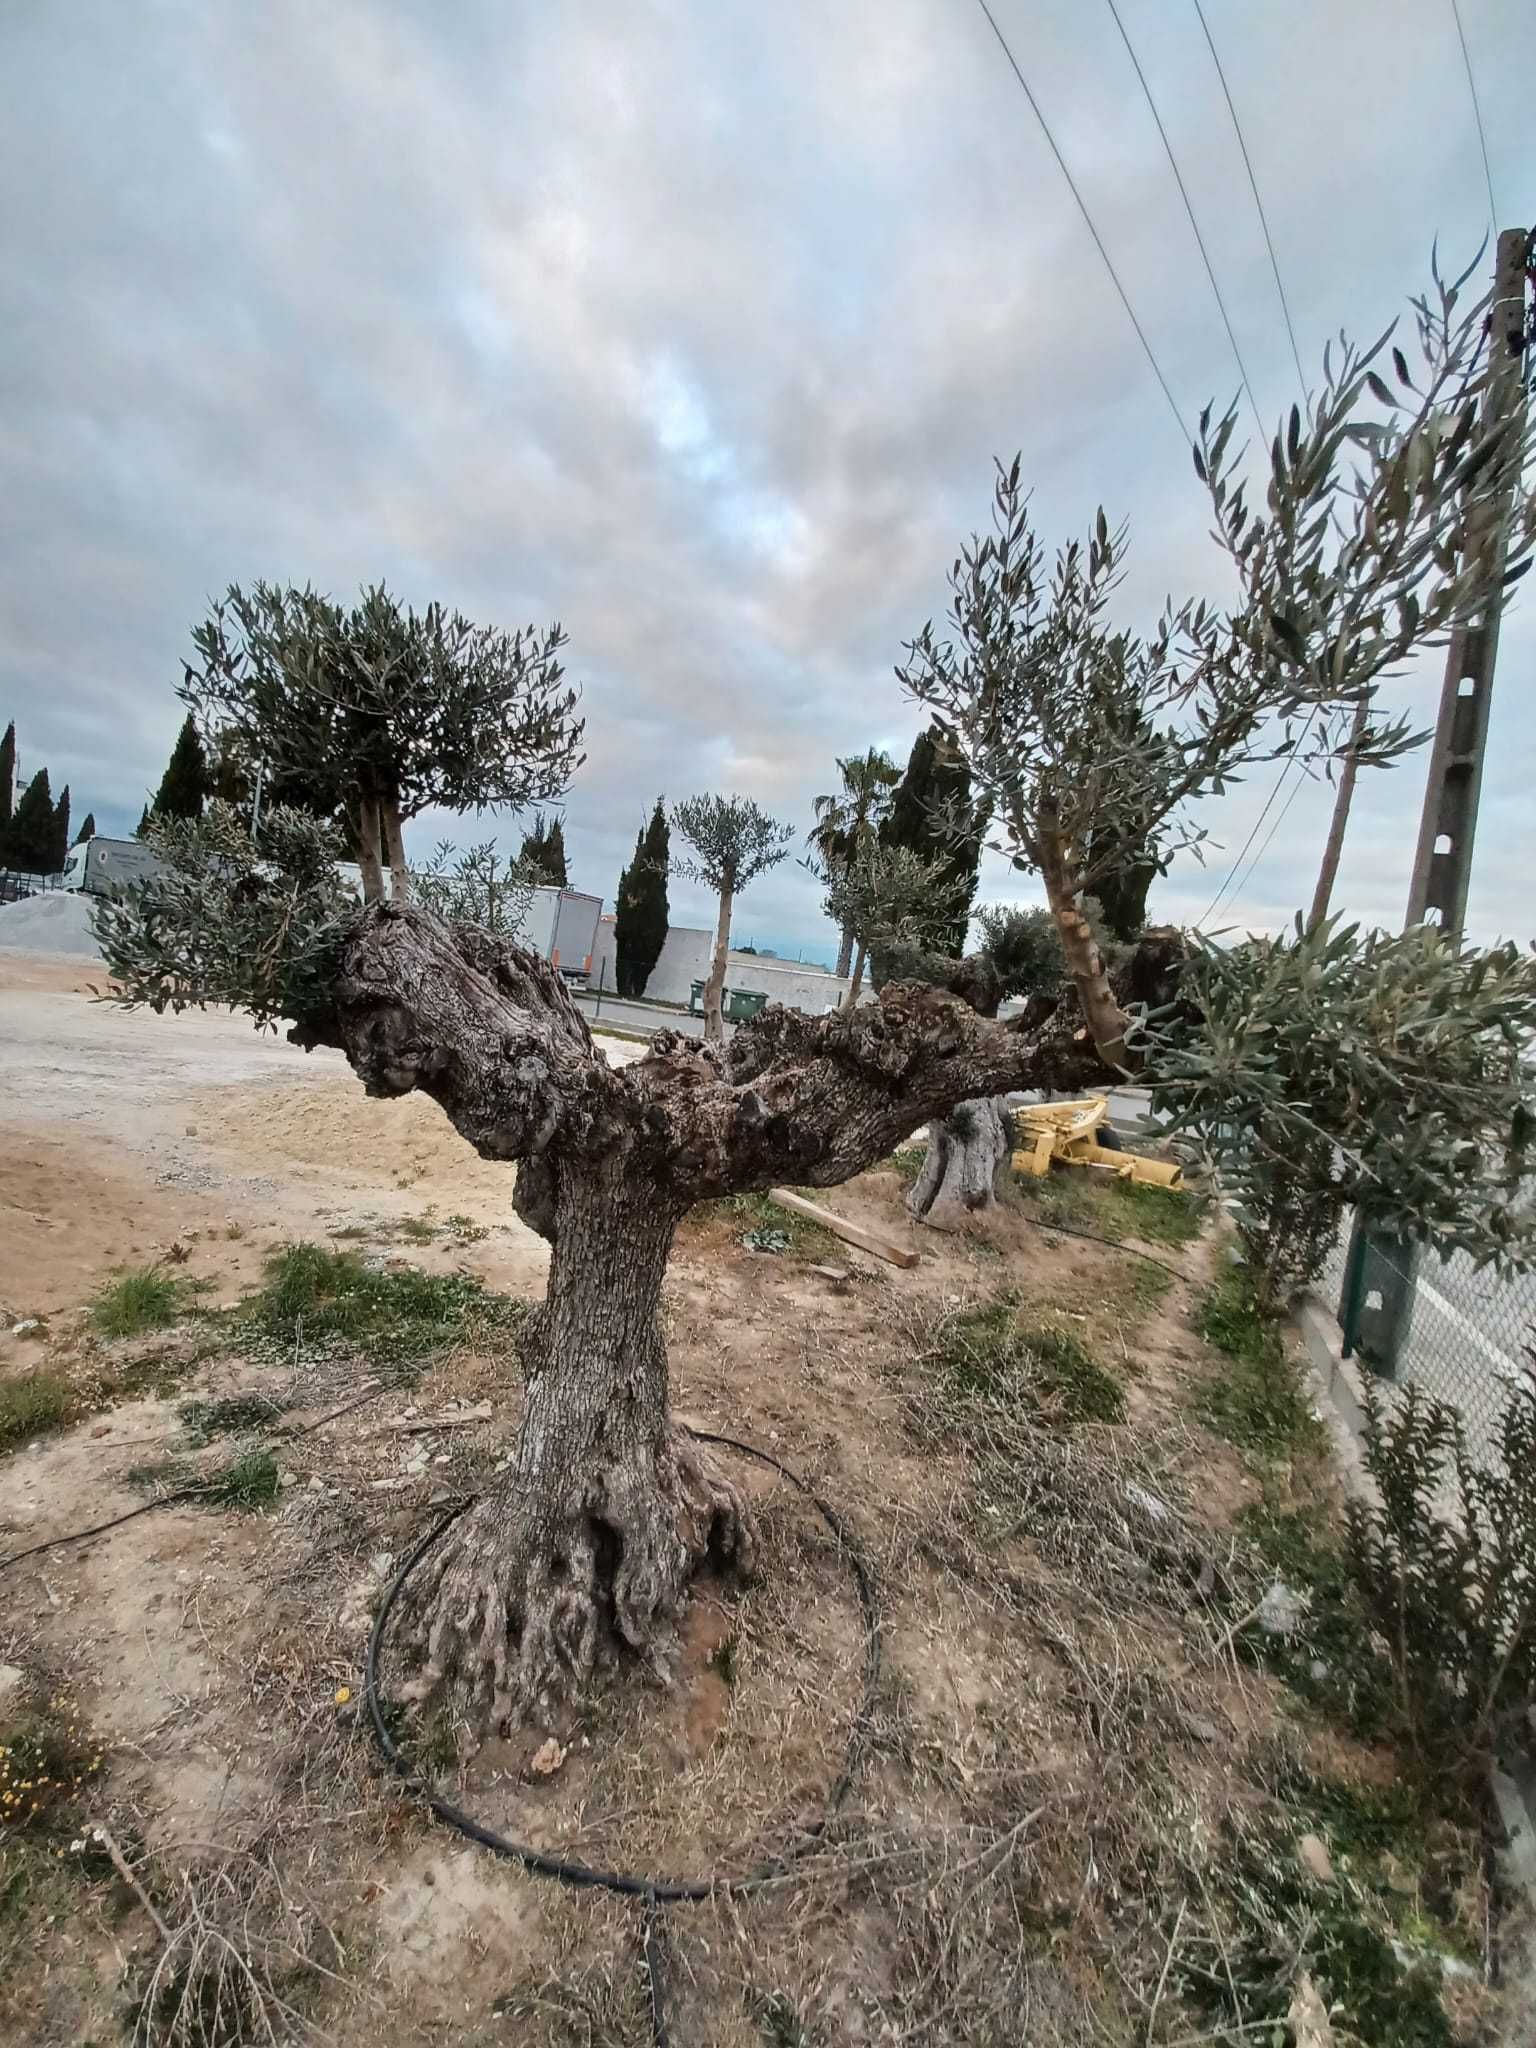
x,y
847,824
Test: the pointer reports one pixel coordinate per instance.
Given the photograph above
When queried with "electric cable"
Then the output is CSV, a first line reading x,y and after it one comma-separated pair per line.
x,y
1477,115
1178,178
1253,186
1082,207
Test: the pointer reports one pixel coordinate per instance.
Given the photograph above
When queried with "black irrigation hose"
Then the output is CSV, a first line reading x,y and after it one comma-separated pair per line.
x,y
1092,1237
654,1893
565,1869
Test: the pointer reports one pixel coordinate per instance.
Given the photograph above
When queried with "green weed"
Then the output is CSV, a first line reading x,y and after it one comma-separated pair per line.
x,y
398,1316
232,1415
748,1213
143,1298
988,1357
250,1482
1257,1403
29,1406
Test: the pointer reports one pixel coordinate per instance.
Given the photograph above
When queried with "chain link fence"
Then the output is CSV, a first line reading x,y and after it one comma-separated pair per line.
x,y
1414,1318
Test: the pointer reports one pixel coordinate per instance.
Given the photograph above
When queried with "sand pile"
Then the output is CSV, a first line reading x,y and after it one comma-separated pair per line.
x,y
59,921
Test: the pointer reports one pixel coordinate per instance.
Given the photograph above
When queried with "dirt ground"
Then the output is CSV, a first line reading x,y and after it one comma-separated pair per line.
x,y
1061,1740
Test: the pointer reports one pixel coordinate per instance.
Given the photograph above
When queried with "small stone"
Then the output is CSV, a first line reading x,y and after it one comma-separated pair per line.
x,y
1147,1504
316,1483
12,1679
1281,1610
102,1429
1312,1851
416,1466
546,1759
836,1273
443,1458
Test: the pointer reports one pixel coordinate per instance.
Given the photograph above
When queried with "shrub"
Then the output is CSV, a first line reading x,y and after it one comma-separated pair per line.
x,y
1443,1568
143,1298
27,1407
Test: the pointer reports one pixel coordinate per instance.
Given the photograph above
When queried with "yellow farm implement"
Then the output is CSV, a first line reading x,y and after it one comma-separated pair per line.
x,y
1064,1132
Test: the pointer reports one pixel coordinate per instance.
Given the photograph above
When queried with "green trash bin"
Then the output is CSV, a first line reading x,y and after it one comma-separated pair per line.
x,y
696,1000
743,1003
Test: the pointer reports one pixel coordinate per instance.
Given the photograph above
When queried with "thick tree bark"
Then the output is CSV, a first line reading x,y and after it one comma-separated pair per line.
x,y
844,952
966,1168
714,1023
394,852
584,1550
369,851
1107,1022
856,984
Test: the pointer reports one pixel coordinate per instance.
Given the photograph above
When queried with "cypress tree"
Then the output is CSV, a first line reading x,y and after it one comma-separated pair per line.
x,y
640,917
185,782
7,776
87,830
29,843
531,853
59,852
934,786
554,856
143,825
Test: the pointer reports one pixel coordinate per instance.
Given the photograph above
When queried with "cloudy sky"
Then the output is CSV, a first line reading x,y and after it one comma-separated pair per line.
x,y
695,325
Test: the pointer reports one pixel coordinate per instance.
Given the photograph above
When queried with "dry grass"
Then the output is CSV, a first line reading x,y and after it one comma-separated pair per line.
x,y
1078,1795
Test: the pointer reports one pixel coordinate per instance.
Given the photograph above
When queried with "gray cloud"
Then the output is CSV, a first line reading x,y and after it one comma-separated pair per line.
x,y
696,327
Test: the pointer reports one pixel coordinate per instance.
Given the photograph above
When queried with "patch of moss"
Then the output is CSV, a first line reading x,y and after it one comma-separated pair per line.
x,y
30,1406
143,1298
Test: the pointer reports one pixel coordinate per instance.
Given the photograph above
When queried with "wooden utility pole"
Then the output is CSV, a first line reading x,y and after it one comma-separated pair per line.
x,y
1442,866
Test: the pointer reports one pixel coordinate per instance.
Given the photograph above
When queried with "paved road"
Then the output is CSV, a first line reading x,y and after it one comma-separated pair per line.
x,y
620,1015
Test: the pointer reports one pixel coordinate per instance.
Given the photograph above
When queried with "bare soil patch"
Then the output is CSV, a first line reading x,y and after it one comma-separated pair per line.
x,y
1075,1762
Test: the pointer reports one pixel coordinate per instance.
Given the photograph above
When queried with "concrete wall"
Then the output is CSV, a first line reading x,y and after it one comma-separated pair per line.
x,y
685,960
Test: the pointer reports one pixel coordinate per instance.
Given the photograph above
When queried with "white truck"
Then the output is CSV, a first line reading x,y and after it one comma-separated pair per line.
x,y
562,925
101,867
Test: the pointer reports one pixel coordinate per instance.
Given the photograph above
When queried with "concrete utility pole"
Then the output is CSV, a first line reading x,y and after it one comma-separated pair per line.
x,y
1442,866
1381,1273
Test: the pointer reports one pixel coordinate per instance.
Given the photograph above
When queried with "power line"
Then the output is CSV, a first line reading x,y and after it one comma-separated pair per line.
x,y
1290,762
1477,113
1279,821
1178,176
1082,208
1253,186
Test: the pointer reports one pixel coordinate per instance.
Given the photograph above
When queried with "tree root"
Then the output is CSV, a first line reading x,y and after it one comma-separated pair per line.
x,y
513,1611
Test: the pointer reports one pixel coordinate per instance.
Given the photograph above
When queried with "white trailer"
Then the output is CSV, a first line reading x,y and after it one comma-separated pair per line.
x,y
103,867
562,925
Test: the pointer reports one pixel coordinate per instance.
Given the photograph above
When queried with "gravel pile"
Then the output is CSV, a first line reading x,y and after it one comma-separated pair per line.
x,y
59,921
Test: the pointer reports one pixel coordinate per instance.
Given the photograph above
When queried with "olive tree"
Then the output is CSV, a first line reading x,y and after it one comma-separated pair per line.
x,y
377,713
1090,742
583,1549
733,841
1332,1069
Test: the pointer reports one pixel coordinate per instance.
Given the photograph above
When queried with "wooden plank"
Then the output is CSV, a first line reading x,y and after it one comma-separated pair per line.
x,y
866,1239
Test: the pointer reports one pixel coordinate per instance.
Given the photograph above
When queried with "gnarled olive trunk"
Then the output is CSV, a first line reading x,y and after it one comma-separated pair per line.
x,y
967,1165
584,1548
1106,1021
